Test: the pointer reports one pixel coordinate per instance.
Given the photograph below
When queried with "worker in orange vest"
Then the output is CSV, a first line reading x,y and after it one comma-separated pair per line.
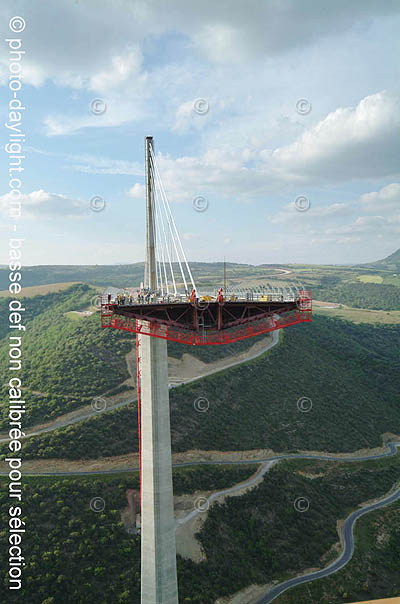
x,y
220,297
193,296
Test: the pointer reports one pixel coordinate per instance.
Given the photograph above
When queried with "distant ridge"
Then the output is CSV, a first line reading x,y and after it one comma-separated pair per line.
x,y
391,262
392,259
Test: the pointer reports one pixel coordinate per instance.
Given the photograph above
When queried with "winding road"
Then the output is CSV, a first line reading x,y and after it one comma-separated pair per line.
x,y
63,423
346,530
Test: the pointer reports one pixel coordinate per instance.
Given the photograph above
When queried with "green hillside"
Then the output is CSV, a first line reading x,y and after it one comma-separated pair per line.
x,y
77,555
66,357
69,359
207,274
260,537
361,295
349,372
372,573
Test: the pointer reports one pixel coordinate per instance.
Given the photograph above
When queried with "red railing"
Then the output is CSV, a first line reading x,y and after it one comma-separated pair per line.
x,y
211,337
139,390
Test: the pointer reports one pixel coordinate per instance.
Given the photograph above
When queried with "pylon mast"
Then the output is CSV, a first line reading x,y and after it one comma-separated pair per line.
x,y
150,263
158,548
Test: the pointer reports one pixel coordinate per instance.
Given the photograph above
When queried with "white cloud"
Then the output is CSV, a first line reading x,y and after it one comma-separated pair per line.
x,y
251,63
186,116
83,36
387,199
360,142
90,164
191,236
137,191
43,204
122,68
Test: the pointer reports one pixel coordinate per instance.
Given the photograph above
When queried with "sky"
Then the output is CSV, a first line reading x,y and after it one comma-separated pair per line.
x,y
283,114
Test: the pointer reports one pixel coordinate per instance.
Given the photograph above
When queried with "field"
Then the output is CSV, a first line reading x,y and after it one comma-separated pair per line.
x,y
40,290
360,315
370,278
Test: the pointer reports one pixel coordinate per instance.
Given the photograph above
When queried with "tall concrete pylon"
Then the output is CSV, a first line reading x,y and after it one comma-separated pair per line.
x,y
158,549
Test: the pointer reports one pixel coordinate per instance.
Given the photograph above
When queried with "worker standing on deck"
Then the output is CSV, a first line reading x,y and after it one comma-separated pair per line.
x,y
220,297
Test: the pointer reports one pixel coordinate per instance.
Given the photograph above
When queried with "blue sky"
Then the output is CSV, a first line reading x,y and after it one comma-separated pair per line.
x,y
251,154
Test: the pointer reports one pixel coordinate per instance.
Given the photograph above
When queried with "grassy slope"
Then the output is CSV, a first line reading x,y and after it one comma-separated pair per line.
x,y
350,373
61,356
70,359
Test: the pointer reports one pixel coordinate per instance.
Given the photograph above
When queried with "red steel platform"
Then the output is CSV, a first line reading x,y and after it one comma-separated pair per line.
x,y
205,323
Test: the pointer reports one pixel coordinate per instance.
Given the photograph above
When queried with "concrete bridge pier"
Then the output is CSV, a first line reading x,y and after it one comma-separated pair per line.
x,y
158,549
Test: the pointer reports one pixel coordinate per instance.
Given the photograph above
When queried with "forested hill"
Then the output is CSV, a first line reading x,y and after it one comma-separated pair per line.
x,y
348,374
361,295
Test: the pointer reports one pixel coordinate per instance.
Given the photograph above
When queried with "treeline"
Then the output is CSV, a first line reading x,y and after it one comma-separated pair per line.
x,y
78,555
123,275
73,298
69,362
361,295
127,275
75,554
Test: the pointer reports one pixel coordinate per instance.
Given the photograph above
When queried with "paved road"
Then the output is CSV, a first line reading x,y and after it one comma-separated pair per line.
x,y
391,450
62,423
341,560
74,420
238,487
